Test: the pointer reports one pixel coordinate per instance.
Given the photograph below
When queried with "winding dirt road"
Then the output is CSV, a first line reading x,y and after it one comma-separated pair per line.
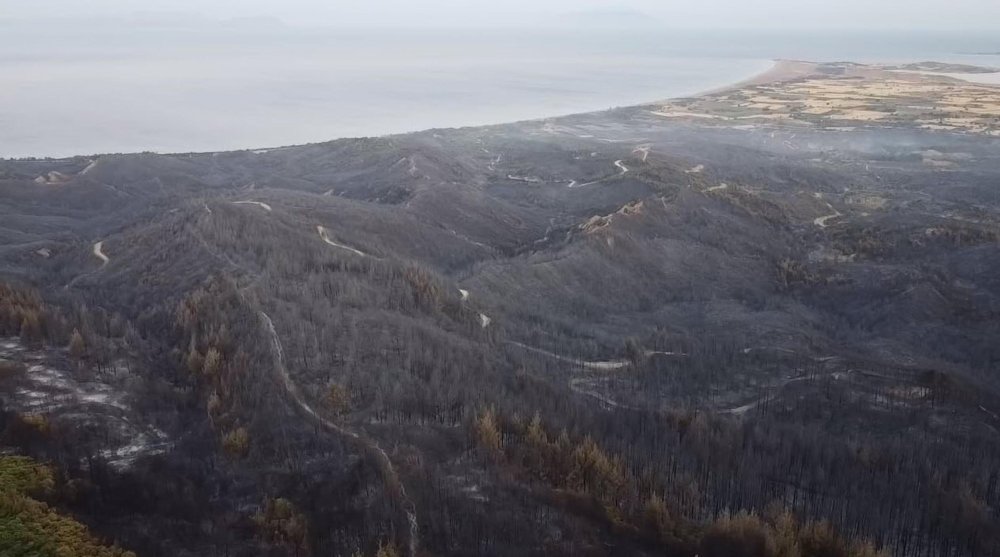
x,y
775,391
619,164
821,221
598,366
388,470
587,385
609,365
741,410
99,253
326,238
262,205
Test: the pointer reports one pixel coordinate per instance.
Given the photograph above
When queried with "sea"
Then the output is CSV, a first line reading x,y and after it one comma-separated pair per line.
x,y
91,87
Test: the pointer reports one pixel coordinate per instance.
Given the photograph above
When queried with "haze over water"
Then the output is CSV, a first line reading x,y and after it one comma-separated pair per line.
x,y
127,87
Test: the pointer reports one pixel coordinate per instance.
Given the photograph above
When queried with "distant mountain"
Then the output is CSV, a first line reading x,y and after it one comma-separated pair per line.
x,y
142,20
608,18
942,68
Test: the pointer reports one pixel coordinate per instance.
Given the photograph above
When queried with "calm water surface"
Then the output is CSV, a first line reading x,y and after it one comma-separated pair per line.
x,y
85,89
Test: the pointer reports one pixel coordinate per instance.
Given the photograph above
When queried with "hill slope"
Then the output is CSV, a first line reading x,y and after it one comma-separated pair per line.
x,y
598,334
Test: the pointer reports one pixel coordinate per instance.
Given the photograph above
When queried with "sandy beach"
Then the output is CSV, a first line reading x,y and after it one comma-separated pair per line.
x,y
782,70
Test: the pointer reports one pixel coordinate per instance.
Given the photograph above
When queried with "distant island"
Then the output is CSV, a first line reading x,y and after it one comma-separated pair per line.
x,y
942,67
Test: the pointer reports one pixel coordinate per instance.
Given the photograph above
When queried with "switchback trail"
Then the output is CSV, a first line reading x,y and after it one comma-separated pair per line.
x,y
619,164
388,470
821,221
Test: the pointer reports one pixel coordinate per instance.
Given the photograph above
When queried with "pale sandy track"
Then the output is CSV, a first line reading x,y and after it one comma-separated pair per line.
x,y
599,366
609,365
619,164
526,179
741,410
821,221
264,206
326,238
585,385
99,253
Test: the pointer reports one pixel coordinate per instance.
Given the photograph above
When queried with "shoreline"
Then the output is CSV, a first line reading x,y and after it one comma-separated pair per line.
x,y
782,70
502,122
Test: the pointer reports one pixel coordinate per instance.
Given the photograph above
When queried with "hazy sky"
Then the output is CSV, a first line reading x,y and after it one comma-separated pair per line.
x,y
930,14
